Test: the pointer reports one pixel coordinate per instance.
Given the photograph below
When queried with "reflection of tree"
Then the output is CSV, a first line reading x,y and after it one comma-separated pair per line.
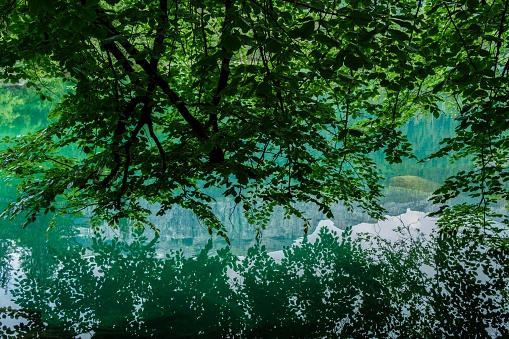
x,y
20,323
318,289
469,294
5,262
8,104
21,107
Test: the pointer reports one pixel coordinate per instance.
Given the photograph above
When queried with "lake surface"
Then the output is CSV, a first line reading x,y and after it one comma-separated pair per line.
x,y
386,279
394,278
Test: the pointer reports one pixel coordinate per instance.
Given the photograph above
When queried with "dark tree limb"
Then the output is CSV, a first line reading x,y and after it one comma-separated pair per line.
x,y
120,130
217,154
152,73
159,37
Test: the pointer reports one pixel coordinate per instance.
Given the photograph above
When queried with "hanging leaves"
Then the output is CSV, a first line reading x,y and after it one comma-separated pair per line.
x,y
286,99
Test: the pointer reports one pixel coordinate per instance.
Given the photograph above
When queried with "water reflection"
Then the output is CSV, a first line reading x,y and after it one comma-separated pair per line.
x,y
68,282
413,285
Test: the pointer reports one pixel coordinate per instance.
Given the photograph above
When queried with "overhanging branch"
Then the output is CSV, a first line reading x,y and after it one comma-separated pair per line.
x,y
152,73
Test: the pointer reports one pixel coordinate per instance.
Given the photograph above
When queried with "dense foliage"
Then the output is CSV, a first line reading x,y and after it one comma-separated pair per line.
x,y
271,102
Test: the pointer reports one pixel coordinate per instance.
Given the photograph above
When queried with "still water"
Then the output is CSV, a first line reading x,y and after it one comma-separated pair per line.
x,y
399,282
377,280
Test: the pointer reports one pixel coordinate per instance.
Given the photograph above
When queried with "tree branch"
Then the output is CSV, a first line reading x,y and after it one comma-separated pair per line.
x,y
500,32
461,37
119,130
174,98
159,38
225,63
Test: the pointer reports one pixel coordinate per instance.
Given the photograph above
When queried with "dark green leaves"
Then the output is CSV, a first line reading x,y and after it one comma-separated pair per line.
x,y
305,31
197,95
274,46
231,43
353,61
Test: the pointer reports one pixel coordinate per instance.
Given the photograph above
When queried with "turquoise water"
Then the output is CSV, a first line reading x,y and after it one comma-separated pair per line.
x,y
72,282
72,286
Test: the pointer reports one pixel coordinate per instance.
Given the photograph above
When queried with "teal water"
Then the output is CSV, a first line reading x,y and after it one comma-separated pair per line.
x,y
70,282
66,287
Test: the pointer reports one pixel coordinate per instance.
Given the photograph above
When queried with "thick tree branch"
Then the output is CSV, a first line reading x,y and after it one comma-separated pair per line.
x,y
159,37
120,130
144,119
217,154
225,63
158,145
152,73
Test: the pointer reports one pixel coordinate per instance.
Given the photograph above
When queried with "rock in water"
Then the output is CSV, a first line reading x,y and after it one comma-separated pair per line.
x,y
413,182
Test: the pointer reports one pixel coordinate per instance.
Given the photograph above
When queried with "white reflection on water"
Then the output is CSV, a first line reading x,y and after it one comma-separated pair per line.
x,y
393,228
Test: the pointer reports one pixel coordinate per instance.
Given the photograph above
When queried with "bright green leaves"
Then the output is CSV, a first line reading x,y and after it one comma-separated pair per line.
x,y
471,56
286,100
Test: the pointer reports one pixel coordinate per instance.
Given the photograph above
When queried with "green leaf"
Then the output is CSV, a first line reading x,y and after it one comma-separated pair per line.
x,y
438,87
353,62
242,178
326,40
434,8
303,32
231,43
355,132
492,38
342,134
264,88
346,76
473,4
433,30
89,14
274,46
307,29
403,23
398,35
77,25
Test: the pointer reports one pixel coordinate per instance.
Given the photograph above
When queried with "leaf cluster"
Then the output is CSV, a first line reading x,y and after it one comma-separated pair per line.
x,y
271,102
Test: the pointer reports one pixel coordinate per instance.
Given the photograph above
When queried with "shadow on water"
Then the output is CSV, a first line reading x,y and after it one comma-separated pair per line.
x,y
411,287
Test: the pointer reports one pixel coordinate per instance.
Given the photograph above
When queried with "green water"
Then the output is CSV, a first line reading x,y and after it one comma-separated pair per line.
x,y
69,282
114,288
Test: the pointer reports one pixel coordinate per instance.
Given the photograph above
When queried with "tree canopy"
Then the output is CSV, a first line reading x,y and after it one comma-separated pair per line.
x,y
269,102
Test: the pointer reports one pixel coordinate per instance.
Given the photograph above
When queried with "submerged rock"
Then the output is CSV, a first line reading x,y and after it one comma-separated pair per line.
x,y
413,182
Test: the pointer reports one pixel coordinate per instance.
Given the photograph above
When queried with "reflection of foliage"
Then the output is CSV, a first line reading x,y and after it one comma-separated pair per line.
x,y
5,265
20,108
466,293
8,103
24,108
413,182
409,288
27,326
